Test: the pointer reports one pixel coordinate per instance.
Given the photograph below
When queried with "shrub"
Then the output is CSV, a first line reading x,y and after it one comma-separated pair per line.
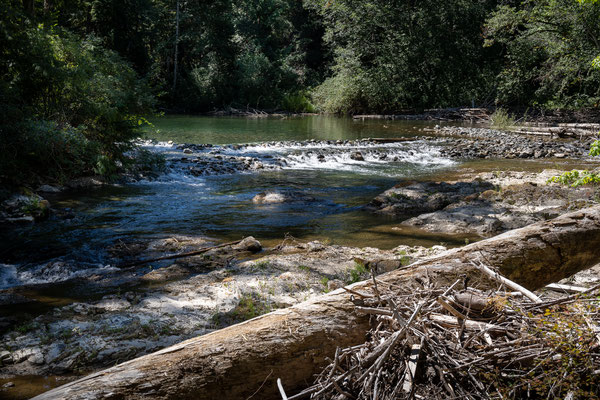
x,y
576,178
501,119
68,106
358,273
298,102
339,94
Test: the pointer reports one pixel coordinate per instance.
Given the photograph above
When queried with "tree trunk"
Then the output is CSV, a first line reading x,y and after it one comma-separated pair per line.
x,y
176,47
245,360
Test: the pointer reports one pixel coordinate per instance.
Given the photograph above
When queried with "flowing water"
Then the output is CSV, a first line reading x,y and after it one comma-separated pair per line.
x,y
309,159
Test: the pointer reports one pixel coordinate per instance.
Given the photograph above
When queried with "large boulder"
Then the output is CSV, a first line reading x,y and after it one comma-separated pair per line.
x,y
421,197
249,244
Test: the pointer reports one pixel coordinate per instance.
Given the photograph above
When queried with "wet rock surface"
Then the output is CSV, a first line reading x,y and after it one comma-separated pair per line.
x,y
450,142
186,298
24,207
412,198
487,205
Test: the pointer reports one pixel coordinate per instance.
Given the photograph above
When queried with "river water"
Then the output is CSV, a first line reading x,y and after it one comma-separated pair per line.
x,y
328,193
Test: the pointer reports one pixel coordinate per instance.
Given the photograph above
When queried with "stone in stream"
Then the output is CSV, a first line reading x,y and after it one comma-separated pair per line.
x,y
420,197
463,207
5,357
27,207
269,198
249,244
357,156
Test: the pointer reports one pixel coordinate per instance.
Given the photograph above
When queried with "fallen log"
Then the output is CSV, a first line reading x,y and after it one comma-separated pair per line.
x,y
176,256
551,131
246,359
393,140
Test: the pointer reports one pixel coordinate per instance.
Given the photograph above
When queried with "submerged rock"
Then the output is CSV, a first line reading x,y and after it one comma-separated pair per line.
x,y
275,197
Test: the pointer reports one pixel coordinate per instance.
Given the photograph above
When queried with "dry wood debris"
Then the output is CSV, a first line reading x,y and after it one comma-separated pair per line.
x,y
462,342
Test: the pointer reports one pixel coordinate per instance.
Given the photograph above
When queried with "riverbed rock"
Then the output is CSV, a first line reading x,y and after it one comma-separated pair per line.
x,y
48,189
270,198
518,199
249,244
26,207
37,357
357,156
419,197
118,327
85,182
164,274
23,354
5,357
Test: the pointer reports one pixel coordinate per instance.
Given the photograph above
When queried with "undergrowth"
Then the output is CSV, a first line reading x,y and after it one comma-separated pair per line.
x,y
501,119
577,178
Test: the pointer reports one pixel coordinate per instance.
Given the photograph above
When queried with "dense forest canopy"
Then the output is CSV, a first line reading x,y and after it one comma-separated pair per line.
x,y
75,74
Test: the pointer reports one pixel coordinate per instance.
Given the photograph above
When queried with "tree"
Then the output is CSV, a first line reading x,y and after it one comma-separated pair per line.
x,y
68,106
398,54
548,47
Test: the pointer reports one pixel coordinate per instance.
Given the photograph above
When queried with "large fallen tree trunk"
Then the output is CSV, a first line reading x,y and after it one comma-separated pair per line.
x,y
245,360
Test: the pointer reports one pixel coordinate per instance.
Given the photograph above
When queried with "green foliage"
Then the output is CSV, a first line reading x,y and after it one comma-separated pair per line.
x,y
340,94
358,273
249,306
405,261
261,265
393,55
67,106
324,282
549,47
576,178
304,268
565,330
242,53
298,102
595,148
501,119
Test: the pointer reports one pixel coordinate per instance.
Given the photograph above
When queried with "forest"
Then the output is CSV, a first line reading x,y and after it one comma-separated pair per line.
x,y
77,77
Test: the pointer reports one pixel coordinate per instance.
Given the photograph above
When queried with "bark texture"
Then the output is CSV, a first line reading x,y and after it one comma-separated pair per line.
x,y
245,360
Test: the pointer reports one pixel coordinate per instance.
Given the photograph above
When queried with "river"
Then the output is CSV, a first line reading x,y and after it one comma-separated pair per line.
x,y
329,188
215,167
220,205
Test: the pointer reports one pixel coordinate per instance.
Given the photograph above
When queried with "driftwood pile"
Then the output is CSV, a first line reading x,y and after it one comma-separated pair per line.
x,y
462,342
